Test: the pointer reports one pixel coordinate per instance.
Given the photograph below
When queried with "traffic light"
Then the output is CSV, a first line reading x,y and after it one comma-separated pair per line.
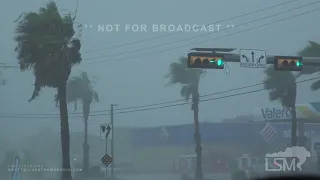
x,y
288,63
205,60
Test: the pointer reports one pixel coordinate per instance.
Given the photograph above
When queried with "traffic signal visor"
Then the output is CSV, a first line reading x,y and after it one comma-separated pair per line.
x,y
206,61
288,63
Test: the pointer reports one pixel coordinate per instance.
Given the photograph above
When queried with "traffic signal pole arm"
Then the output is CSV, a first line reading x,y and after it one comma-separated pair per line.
x,y
232,57
307,61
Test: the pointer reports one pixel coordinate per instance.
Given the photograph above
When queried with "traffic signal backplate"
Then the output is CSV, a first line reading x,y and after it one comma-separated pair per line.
x,y
205,60
288,63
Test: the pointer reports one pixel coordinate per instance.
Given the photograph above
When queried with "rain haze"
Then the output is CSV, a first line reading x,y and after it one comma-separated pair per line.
x,y
134,74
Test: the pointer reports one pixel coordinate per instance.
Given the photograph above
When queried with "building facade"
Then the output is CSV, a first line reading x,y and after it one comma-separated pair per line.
x,y
154,152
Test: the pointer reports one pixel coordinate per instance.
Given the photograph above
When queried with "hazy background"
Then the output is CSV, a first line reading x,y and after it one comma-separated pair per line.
x,y
140,81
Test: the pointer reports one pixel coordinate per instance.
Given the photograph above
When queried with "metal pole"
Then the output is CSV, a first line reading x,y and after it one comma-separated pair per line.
x,y
112,141
106,172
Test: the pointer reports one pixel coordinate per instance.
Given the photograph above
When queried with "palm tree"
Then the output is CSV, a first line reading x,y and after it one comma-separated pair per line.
x,y
312,50
80,88
189,79
282,87
46,45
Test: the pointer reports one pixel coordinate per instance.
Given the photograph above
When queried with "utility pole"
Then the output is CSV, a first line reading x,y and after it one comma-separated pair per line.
x,y
112,140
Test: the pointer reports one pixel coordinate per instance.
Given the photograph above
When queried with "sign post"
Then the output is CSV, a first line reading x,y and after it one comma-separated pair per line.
x,y
105,130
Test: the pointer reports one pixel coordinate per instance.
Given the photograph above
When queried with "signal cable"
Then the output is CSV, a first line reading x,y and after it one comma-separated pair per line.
x,y
173,105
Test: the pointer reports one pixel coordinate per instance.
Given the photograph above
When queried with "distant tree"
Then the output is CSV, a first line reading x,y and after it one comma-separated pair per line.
x,y
46,45
282,87
80,88
189,79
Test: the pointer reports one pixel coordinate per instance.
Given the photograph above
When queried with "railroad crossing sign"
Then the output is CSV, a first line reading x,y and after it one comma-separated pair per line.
x,y
105,131
106,160
253,58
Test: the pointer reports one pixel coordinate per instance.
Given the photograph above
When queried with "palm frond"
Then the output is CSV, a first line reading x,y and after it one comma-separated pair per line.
x,y
315,86
80,88
312,50
186,92
179,73
96,96
281,86
43,41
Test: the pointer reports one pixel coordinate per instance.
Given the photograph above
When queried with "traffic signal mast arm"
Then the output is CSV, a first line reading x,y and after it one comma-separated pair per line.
x,y
307,61
214,58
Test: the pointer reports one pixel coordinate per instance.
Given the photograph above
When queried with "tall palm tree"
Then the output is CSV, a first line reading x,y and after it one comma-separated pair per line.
x,y
46,45
80,88
282,87
189,79
312,50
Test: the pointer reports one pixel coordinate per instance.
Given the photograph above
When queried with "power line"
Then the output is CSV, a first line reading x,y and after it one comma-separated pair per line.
x,y
141,106
157,37
212,39
217,38
174,42
167,106
211,99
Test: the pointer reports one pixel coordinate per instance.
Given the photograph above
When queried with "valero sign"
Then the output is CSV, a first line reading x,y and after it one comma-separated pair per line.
x,y
273,113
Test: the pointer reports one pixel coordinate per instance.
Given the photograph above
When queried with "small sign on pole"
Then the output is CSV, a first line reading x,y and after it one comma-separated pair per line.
x,y
105,131
106,160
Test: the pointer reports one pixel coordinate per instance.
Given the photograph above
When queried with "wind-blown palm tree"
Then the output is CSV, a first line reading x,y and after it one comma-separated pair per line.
x,y
46,45
282,87
80,88
189,79
312,50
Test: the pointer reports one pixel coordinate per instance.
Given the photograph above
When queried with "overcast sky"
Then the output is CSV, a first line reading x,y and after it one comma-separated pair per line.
x,y
139,81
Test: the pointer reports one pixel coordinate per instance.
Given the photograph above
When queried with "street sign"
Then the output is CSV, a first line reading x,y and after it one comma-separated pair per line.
x,y
16,174
106,160
105,131
268,133
253,58
163,134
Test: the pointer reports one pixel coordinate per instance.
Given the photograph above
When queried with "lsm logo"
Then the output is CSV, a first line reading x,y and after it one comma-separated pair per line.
x,y
289,160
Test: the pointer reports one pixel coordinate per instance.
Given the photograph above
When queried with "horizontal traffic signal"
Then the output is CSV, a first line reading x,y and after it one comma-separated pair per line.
x,y
288,63
205,60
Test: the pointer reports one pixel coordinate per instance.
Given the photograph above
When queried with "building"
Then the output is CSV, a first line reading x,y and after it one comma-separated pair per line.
x,y
152,152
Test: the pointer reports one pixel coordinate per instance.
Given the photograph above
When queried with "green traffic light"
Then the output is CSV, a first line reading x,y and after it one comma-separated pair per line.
x,y
220,62
298,63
